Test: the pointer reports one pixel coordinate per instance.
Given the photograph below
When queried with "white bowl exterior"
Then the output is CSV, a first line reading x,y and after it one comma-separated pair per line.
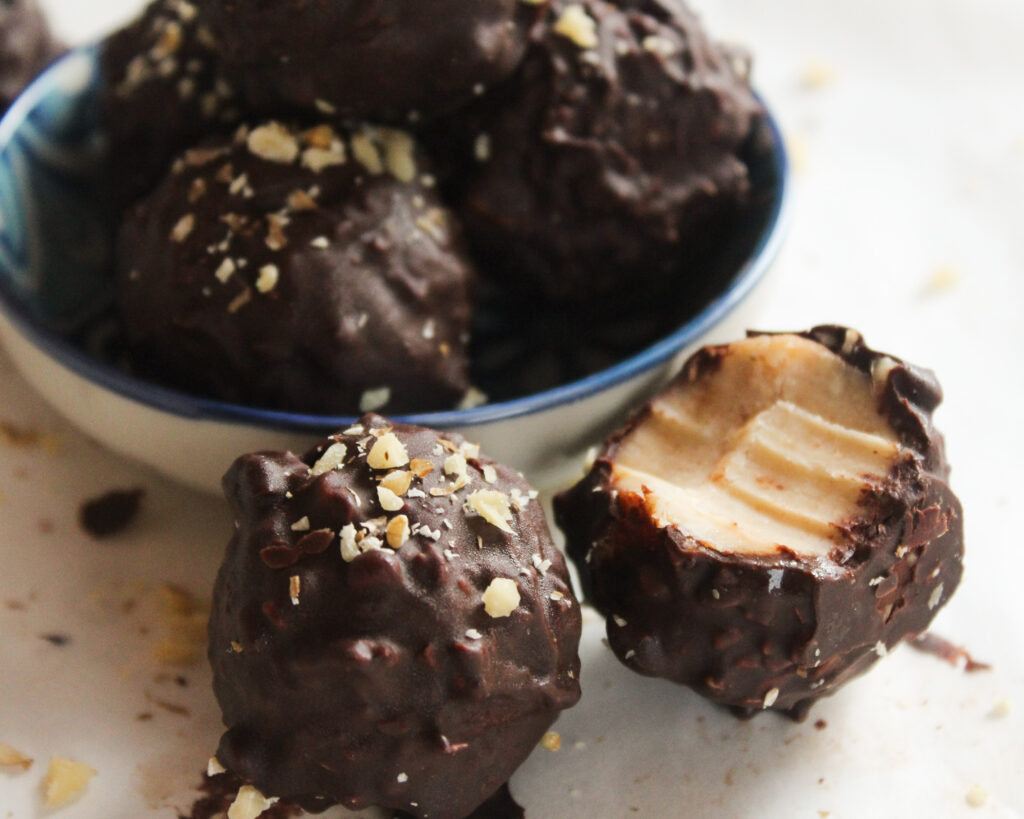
x,y
546,446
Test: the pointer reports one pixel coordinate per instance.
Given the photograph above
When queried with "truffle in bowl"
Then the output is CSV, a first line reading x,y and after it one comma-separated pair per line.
x,y
558,377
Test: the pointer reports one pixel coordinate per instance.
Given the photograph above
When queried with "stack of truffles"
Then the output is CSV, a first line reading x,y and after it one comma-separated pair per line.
x,y
331,188
332,185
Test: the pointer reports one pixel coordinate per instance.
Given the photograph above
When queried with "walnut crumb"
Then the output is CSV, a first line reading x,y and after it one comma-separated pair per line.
x,y
249,803
389,501
332,458
397,481
493,506
578,26
214,768
65,779
13,758
551,741
374,399
977,796
268,278
294,588
397,532
225,271
274,143
387,452
183,227
501,597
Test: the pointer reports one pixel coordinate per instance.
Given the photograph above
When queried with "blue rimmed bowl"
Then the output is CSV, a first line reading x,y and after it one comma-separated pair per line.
x,y
55,260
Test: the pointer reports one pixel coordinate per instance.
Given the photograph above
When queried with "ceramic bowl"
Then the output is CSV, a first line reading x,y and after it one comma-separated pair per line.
x,y
55,249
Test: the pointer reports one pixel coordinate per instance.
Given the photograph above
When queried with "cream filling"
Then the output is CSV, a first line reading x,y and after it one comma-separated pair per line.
x,y
773,449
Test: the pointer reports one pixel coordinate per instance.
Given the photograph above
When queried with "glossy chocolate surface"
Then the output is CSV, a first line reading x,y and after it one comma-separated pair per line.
x,y
353,672
756,631
300,268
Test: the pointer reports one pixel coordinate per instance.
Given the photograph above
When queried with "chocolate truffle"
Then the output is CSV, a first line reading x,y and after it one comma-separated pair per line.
x,y
26,47
609,155
384,60
303,269
773,522
162,91
392,624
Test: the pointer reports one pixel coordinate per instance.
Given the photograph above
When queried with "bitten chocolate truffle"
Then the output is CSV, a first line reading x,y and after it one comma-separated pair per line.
x,y
392,624
26,47
304,269
773,522
609,155
162,92
398,61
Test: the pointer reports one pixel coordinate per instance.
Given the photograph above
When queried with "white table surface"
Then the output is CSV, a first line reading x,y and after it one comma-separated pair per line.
x,y
906,122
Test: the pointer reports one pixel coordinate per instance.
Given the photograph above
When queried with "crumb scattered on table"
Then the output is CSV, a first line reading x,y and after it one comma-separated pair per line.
x,y
111,512
65,779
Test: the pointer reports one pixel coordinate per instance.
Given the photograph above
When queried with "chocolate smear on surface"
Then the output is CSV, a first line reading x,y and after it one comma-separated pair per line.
x,y
956,656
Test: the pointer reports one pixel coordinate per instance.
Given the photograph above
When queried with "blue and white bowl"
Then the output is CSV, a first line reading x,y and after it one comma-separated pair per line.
x,y
55,248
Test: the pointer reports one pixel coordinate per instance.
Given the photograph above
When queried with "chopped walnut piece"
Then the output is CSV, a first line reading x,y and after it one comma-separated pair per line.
x,y
273,143
578,26
333,458
182,228
214,768
299,200
268,278
316,159
421,467
13,758
239,301
320,136
225,271
374,399
501,597
366,153
397,481
65,779
399,158
169,42
387,452
397,531
389,501
551,741
294,588
493,506
249,803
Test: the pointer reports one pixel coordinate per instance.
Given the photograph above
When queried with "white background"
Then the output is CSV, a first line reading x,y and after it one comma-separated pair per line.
x,y
906,123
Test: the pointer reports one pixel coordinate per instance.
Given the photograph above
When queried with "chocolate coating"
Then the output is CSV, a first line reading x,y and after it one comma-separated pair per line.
x,y
301,269
162,92
378,677
26,47
608,156
776,630
382,60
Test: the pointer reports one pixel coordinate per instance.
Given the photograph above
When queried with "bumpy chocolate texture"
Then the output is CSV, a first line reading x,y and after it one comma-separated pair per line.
x,y
611,150
26,47
393,61
162,92
304,269
773,522
392,624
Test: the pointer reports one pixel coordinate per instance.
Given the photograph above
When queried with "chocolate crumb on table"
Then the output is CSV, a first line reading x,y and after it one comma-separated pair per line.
x,y
110,513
